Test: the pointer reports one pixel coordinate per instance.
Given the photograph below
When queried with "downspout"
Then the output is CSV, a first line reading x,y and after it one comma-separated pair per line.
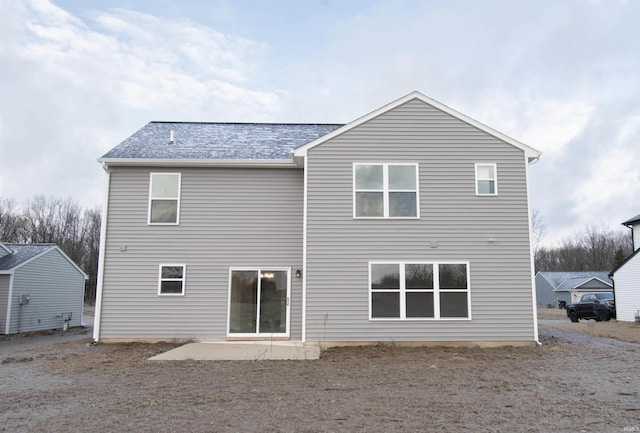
x,y
536,337
103,243
7,325
304,255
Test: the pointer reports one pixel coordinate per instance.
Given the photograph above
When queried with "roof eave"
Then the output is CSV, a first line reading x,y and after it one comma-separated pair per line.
x,y
240,163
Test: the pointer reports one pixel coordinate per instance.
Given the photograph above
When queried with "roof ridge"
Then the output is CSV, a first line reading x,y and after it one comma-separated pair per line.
x,y
248,123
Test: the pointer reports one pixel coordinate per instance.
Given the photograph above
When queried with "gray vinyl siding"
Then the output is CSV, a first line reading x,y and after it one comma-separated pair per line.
x,y
451,215
55,287
229,217
5,280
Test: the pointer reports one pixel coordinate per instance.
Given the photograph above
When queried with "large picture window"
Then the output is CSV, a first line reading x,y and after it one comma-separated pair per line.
x,y
413,290
164,198
486,179
385,190
171,280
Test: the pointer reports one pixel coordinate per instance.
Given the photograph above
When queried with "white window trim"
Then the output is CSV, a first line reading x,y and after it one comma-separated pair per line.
x,y
151,198
259,269
385,191
183,279
436,291
494,179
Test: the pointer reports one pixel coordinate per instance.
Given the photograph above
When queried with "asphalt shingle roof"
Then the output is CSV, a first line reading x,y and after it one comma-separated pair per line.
x,y
569,280
22,253
227,141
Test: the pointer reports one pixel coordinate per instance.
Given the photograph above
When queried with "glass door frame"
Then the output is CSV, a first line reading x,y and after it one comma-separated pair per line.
x,y
257,334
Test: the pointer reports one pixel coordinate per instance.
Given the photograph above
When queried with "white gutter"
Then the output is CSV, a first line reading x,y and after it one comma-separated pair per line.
x,y
534,297
8,321
304,256
103,243
243,163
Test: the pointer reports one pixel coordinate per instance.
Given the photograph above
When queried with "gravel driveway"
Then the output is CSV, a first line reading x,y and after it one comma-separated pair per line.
x,y
572,383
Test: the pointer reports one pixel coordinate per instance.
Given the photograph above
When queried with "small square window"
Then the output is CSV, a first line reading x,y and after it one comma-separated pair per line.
x,y
171,280
486,179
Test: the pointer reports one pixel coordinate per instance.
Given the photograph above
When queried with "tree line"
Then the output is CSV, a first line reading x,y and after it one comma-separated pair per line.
x,y
64,222
594,248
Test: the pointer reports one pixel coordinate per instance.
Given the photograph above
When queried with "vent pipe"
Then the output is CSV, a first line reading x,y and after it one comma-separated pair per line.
x,y
171,137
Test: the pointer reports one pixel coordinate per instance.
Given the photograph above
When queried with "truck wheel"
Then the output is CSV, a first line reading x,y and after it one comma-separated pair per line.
x,y
573,316
602,315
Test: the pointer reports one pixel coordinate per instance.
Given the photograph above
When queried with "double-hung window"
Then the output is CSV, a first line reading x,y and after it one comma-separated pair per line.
x,y
171,280
385,190
414,290
486,179
164,198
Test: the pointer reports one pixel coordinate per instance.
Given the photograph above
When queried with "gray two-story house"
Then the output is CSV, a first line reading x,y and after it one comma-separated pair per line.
x,y
409,224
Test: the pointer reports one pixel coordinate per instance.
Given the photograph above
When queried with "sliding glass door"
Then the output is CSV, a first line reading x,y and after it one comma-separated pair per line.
x,y
259,302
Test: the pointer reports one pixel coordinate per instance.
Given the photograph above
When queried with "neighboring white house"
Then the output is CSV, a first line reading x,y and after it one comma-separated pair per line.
x,y
556,289
411,223
626,278
40,288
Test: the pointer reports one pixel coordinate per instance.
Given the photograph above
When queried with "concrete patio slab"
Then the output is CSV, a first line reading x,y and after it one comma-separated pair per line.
x,y
241,351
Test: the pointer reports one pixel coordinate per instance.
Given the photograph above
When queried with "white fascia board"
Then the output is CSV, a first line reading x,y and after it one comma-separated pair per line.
x,y
531,153
243,163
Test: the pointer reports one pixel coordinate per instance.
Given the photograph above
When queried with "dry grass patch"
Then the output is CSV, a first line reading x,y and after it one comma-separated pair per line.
x,y
623,331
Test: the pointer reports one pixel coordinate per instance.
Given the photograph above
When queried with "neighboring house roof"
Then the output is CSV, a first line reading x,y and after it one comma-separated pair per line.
x,y
564,281
25,253
630,221
224,142
531,153
624,262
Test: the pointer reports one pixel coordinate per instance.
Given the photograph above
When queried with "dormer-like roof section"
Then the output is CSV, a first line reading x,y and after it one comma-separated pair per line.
x,y
21,254
199,143
531,153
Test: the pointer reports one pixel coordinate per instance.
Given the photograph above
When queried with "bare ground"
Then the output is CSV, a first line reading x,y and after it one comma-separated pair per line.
x,y
574,382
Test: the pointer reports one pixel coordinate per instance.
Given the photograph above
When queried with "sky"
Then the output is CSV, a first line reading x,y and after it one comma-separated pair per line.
x,y
77,77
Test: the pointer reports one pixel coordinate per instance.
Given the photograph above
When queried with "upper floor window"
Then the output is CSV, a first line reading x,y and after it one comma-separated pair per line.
x,y
164,198
486,179
385,190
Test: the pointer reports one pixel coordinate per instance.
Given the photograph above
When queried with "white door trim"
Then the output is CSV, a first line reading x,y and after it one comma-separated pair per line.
x,y
257,334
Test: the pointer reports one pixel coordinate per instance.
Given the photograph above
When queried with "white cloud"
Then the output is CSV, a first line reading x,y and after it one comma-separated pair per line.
x,y
549,125
77,88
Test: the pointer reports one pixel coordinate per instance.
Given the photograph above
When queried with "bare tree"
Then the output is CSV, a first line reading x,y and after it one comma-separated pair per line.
x,y
537,230
10,221
62,222
596,248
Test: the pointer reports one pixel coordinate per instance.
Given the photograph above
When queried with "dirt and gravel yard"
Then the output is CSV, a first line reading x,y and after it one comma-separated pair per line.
x,y
574,382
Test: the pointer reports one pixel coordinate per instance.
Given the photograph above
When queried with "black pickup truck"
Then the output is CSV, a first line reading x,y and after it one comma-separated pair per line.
x,y
597,306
